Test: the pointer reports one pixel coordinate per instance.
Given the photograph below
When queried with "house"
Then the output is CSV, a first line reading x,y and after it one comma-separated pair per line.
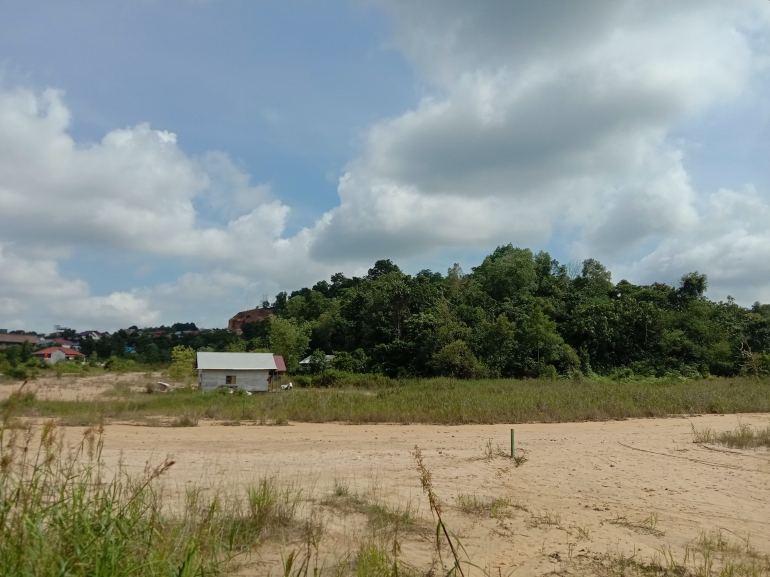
x,y
253,316
90,334
53,355
9,339
306,361
63,343
248,371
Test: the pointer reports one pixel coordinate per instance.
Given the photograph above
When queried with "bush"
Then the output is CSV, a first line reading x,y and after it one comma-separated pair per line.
x,y
301,381
120,365
182,363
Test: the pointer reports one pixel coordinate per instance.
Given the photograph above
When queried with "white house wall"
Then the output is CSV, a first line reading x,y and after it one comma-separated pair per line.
x,y
252,381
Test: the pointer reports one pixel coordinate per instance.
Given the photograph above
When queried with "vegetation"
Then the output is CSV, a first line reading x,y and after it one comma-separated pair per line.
x,y
516,315
519,315
744,436
437,400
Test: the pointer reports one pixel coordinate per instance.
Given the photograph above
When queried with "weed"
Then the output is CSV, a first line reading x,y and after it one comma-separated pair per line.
x,y
443,401
472,505
545,519
187,420
341,488
426,480
648,525
744,436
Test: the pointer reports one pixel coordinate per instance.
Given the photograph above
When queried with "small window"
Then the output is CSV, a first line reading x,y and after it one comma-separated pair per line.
x,y
230,380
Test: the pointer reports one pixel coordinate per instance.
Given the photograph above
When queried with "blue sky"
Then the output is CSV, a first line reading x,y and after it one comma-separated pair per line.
x,y
177,160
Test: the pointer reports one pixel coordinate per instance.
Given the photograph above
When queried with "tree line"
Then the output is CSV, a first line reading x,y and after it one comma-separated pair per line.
x,y
517,314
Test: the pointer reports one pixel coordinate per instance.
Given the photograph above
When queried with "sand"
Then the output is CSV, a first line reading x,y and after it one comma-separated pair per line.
x,y
70,387
586,489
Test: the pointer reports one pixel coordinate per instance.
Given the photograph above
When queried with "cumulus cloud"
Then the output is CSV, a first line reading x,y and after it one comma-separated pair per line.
x,y
135,192
542,117
537,120
33,289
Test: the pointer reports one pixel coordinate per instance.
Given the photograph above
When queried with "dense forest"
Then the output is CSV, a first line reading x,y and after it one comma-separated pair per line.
x,y
517,314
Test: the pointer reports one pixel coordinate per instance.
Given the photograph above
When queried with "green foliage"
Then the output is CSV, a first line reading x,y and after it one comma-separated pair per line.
x,y
182,363
290,339
516,315
457,360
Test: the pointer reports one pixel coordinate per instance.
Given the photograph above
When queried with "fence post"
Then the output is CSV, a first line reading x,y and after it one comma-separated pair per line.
x,y
513,446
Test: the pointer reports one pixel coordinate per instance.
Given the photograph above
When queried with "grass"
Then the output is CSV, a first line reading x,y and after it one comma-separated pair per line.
x,y
62,512
710,555
439,401
648,525
475,506
744,436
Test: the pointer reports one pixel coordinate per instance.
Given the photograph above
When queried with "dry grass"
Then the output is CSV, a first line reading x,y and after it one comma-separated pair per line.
x,y
479,507
443,401
744,436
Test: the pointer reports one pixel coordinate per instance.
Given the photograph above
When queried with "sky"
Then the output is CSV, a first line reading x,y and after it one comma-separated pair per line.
x,y
178,161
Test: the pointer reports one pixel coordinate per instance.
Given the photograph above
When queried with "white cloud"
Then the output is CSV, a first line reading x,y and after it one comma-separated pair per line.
x,y
134,192
34,289
538,119
544,118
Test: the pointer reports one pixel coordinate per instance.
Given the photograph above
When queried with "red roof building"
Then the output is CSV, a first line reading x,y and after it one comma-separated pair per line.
x,y
55,354
280,366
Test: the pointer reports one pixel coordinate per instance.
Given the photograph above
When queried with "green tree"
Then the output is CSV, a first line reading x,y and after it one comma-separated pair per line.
x,y
182,362
290,339
457,360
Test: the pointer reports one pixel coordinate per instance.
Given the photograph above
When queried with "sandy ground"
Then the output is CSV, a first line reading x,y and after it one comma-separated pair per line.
x,y
76,388
579,482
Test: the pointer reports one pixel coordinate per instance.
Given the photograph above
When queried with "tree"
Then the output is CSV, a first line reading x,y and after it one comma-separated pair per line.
x,y
693,285
508,273
457,360
380,268
182,363
290,339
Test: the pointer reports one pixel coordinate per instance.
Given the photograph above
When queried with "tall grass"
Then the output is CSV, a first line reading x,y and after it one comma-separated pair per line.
x,y
62,513
744,436
443,401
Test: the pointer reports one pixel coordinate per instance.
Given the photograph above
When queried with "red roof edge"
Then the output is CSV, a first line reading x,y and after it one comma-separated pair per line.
x,y
66,351
279,364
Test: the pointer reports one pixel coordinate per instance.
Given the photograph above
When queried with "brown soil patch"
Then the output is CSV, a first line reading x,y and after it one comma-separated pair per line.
x,y
586,489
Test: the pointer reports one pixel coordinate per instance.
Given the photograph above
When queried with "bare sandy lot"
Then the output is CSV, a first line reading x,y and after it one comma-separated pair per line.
x,y
77,388
587,489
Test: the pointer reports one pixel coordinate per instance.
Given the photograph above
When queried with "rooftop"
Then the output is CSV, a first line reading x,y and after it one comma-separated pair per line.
x,y
236,361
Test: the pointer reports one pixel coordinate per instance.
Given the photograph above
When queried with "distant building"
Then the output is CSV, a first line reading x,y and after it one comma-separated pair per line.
x,y
248,371
253,316
93,334
8,339
53,355
306,361
64,343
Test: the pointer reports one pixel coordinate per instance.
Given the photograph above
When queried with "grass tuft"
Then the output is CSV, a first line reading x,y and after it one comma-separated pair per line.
x,y
473,505
744,436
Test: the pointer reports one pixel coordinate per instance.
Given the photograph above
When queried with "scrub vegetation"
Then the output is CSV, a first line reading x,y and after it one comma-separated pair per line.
x,y
744,436
440,400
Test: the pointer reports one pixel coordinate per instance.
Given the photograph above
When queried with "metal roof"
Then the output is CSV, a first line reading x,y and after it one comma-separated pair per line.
x,y
280,365
306,360
236,361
